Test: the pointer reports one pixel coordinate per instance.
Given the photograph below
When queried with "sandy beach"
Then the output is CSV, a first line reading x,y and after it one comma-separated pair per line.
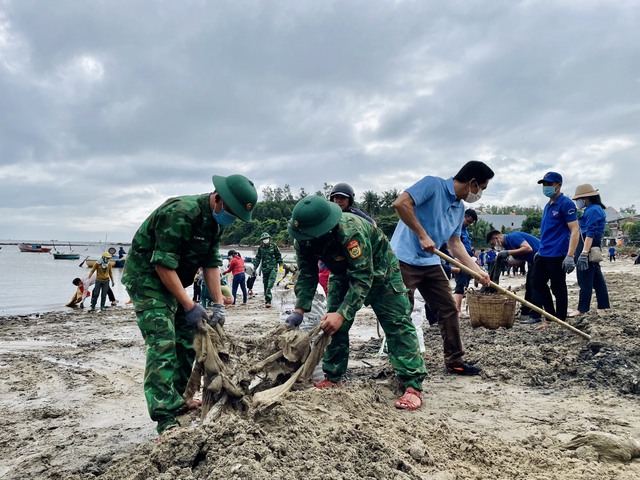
x,y
72,405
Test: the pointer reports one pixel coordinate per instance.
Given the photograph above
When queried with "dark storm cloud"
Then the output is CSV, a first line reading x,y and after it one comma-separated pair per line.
x,y
117,105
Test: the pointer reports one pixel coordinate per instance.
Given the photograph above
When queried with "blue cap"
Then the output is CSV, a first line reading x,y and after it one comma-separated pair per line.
x,y
551,177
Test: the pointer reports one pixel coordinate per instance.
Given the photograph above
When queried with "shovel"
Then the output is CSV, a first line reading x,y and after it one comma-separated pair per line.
x,y
508,293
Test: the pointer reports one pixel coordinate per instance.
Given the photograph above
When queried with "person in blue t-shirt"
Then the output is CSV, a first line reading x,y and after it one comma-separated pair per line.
x,y
491,257
463,278
431,213
592,223
482,257
521,246
559,234
612,254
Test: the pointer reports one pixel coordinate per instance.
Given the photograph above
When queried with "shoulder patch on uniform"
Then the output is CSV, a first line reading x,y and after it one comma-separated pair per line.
x,y
354,249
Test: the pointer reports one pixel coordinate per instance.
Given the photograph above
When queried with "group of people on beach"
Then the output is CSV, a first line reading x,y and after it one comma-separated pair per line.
x,y
331,235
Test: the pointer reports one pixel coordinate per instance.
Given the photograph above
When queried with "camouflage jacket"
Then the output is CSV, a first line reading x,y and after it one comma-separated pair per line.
x,y
360,259
269,256
180,235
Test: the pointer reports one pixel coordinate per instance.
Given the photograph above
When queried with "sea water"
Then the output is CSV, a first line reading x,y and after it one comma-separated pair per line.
x,y
37,283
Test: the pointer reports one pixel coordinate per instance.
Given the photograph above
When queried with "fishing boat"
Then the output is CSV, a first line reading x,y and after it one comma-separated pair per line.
x,y
66,256
30,247
70,255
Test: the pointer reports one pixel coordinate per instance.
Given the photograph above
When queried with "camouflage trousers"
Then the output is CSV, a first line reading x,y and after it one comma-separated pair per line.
x,y
268,281
170,357
391,305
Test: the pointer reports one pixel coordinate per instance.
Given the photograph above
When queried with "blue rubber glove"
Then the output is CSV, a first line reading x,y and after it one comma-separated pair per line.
x,y
217,316
583,262
196,314
294,320
568,264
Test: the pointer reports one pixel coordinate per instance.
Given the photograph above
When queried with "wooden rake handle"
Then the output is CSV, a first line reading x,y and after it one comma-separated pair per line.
x,y
509,293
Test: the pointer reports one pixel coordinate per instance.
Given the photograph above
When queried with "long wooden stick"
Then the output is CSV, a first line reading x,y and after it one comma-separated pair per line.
x,y
509,293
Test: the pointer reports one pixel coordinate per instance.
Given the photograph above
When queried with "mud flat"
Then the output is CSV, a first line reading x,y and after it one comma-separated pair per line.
x,y
72,406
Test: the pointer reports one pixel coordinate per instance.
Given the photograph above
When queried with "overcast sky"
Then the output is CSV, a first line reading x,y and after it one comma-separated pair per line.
x,y
109,107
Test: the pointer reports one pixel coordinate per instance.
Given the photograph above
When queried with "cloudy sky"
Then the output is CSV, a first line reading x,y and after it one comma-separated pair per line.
x,y
109,107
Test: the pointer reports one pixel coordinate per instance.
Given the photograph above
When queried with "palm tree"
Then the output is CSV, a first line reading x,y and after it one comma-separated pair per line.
x,y
371,202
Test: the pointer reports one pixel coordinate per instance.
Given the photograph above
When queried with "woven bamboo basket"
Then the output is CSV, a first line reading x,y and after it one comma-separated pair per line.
x,y
491,310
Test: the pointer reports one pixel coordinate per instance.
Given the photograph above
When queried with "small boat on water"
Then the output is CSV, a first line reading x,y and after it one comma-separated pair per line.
x,y
66,256
30,247
70,255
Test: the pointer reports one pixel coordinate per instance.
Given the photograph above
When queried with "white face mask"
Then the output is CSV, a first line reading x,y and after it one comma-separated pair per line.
x,y
265,241
474,197
581,203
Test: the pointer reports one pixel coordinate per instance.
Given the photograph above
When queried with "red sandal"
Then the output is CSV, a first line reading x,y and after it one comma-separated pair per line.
x,y
326,383
411,400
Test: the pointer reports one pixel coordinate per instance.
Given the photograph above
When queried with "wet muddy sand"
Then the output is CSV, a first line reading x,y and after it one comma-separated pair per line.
x,y
72,406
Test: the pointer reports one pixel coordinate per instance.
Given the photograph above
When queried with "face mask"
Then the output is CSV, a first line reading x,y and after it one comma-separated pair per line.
x,y
581,203
549,191
223,218
265,241
474,197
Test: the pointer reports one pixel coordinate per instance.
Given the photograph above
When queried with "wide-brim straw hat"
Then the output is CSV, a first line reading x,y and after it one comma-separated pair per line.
x,y
585,190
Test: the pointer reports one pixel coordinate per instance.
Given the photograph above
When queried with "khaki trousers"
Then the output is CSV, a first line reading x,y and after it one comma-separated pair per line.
x,y
433,285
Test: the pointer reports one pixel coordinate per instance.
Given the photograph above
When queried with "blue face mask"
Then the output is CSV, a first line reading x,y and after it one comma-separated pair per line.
x,y
549,191
223,218
581,203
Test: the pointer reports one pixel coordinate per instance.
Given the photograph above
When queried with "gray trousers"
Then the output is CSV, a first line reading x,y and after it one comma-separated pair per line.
x,y
101,288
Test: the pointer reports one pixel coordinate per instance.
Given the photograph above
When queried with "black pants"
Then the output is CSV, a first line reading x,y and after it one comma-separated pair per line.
x,y
530,294
549,269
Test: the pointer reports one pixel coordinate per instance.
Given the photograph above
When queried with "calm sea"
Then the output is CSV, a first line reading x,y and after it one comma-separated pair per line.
x,y
37,283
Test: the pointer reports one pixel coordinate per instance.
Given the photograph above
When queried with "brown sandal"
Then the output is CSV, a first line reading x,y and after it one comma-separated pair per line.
x,y
411,400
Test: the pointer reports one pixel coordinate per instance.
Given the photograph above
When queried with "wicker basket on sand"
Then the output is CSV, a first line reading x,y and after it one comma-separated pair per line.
x,y
491,310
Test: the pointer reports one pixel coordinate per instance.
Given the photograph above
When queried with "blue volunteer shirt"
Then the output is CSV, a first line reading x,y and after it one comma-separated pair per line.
x,y
438,211
466,240
514,240
592,223
491,256
554,231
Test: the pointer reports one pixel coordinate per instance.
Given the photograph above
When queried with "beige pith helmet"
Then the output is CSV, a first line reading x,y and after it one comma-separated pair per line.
x,y
585,190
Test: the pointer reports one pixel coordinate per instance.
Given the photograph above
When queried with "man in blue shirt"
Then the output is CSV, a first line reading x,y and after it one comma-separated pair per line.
x,y
521,246
463,278
559,234
431,213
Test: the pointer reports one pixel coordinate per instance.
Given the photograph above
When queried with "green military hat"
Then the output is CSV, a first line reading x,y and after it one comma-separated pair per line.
x,y
312,217
265,235
238,193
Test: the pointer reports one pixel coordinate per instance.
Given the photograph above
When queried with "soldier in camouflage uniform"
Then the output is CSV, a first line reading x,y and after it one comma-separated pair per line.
x,y
364,270
268,259
180,236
